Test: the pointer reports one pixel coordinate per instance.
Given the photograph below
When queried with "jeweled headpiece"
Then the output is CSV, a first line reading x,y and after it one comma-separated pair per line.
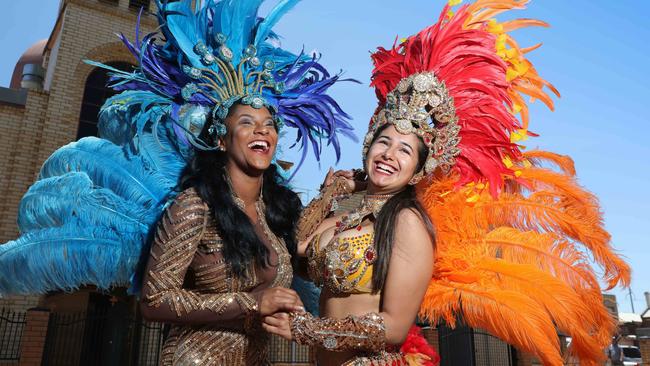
x,y
232,83
460,84
220,53
421,104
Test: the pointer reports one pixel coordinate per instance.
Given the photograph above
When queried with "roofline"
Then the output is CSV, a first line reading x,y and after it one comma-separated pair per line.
x,y
56,29
17,97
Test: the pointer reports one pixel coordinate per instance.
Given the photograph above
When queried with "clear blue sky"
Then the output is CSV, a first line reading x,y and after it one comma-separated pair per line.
x,y
596,53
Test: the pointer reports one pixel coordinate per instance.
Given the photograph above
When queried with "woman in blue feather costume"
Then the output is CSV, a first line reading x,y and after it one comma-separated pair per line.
x,y
185,162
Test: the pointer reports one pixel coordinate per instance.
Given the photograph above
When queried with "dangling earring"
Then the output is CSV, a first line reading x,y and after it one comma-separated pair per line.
x,y
416,178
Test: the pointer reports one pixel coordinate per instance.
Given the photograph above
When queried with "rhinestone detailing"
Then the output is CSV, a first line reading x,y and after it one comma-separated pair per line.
x,y
187,241
361,333
421,104
369,205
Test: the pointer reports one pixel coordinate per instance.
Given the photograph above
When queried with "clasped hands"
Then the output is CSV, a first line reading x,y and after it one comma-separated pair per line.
x,y
276,303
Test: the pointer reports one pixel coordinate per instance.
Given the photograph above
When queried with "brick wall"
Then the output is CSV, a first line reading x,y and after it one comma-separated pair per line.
x,y
19,303
644,347
33,340
20,140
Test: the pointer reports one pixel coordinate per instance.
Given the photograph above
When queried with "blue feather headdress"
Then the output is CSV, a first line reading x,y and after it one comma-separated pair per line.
x,y
90,215
222,53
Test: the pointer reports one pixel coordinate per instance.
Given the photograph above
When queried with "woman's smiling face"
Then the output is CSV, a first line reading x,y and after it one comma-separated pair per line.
x,y
251,139
392,161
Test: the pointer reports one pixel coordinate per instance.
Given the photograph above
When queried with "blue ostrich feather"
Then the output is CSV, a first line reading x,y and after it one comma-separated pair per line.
x,y
67,257
55,201
106,165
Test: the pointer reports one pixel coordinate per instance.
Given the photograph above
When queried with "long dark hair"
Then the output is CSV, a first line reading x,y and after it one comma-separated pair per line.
x,y
387,218
207,174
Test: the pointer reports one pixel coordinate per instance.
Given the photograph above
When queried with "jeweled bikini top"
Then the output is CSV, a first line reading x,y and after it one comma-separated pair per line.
x,y
344,264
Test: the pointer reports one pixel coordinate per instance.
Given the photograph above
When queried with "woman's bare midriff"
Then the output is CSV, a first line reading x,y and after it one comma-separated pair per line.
x,y
339,306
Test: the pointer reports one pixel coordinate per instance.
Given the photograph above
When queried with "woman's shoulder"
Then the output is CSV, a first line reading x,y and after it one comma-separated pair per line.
x,y
409,216
188,200
411,227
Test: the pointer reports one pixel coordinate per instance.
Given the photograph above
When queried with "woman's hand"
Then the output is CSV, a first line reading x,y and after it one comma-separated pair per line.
x,y
352,181
279,324
277,299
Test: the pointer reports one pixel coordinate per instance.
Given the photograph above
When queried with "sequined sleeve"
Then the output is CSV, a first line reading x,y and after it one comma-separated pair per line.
x,y
360,333
175,244
319,209
315,259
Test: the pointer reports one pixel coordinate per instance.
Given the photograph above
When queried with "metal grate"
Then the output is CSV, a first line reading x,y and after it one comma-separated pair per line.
x,y
490,350
464,346
148,343
12,325
285,352
72,339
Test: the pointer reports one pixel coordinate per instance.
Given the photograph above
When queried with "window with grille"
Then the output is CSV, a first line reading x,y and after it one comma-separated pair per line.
x,y
95,94
138,4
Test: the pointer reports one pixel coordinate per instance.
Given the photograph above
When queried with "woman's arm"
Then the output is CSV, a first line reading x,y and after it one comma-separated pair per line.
x,y
314,218
164,298
409,273
410,269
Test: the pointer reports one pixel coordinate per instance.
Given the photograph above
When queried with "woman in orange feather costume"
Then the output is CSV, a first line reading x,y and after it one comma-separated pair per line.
x,y
514,231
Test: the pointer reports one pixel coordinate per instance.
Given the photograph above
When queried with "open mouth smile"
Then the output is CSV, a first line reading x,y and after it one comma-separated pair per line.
x,y
384,168
260,146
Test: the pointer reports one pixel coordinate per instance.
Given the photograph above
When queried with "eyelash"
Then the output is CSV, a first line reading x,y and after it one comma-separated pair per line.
x,y
248,122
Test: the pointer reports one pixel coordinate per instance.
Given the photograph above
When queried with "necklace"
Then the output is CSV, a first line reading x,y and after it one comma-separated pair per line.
x,y
238,201
370,204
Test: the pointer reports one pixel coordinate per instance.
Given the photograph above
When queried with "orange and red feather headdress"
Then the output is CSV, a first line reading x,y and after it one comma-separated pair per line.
x,y
516,236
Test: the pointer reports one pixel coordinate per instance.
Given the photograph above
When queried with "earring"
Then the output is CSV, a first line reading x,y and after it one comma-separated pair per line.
x,y
416,178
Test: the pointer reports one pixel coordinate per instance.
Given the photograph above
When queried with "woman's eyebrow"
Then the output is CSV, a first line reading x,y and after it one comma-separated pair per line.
x,y
407,145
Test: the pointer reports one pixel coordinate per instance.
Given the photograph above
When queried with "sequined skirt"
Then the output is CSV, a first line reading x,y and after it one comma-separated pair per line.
x,y
208,346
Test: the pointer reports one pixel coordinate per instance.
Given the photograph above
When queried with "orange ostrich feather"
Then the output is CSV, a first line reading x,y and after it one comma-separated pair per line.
x,y
518,265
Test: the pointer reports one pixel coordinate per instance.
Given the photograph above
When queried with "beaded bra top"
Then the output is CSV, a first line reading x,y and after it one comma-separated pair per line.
x,y
344,265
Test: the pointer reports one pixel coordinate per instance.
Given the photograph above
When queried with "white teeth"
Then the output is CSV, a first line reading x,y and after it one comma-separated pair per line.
x,y
386,168
258,143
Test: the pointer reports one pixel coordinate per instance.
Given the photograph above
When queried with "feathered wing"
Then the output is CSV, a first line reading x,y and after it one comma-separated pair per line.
x,y
519,265
88,218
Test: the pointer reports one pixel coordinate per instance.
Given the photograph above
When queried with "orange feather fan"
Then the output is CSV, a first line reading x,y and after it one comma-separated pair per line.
x,y
518,266
515,233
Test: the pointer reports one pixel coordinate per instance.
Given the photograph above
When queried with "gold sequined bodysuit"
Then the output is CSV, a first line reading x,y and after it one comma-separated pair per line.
x,y
188,283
